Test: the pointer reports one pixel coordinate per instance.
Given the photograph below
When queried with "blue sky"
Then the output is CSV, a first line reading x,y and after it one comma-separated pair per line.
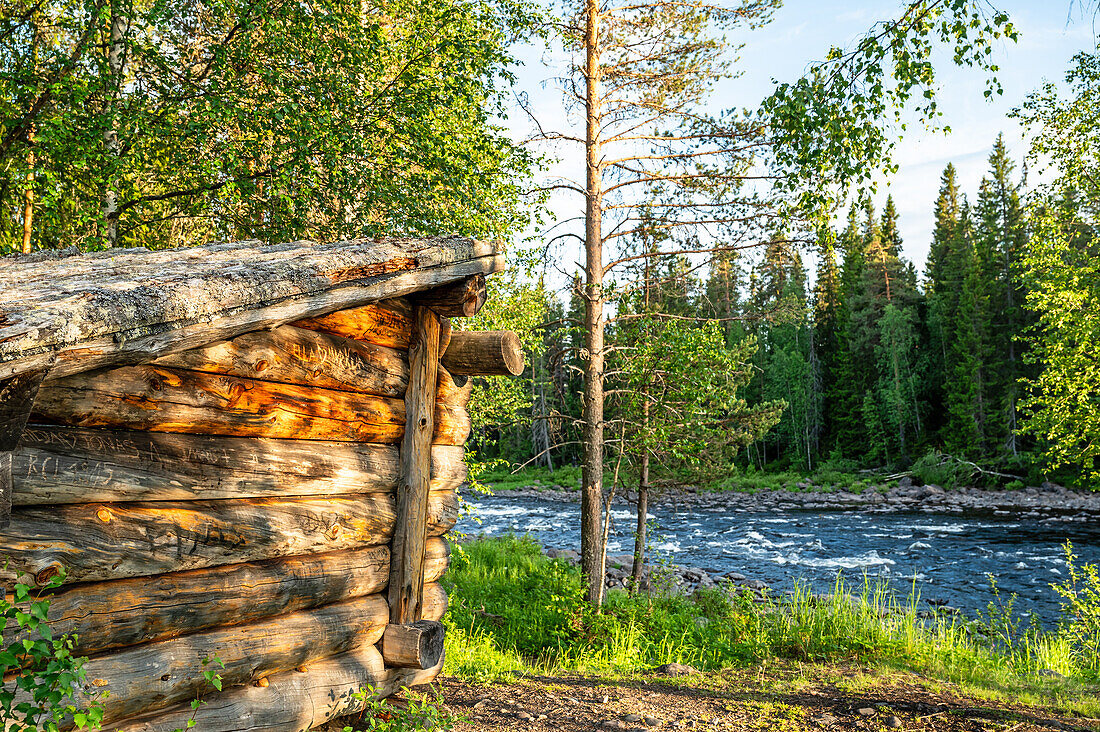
x,y
1051,32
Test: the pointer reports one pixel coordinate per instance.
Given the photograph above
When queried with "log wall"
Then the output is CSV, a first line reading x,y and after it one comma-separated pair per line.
x,y
241,500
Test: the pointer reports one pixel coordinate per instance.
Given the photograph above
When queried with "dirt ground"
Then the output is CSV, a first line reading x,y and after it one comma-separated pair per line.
x,y
778,699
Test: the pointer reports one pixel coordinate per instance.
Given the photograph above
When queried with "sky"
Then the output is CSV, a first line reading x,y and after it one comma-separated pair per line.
x,y
1050,33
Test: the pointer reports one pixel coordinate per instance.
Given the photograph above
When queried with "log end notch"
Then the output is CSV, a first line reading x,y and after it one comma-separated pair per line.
x,y
416,645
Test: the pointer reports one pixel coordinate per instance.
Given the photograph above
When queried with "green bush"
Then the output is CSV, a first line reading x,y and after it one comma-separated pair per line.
x,y
942,470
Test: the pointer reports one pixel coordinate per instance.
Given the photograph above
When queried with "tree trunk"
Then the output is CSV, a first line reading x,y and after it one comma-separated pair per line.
x,y
115,60
640,533
28,200
592,491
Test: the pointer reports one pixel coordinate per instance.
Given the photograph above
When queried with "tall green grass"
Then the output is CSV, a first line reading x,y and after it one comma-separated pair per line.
x,y
515,610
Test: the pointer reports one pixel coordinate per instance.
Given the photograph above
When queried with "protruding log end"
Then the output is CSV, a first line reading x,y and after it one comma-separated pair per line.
x,y
413,645
461,299
484,353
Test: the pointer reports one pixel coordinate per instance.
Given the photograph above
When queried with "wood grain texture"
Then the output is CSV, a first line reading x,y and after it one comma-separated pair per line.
x,y
435,601
413,645
161,399
292,701
484,353
461,299
406,587
290,355
386,323
129,306
17,394
157,675
108,615
55,465
115,541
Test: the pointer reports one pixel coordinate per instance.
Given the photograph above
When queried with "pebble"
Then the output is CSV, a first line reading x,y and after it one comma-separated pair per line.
x,y
651,721
674,669
612,724
633,718
523,715
826,719
893,722
867,711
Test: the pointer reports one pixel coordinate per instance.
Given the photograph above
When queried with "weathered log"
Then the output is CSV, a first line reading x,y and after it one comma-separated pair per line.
x,y
461,299
484,353
108,615
387,323
292,701
160,399
17,394
115,541
452,425
435,601
406,588
73,465
413,645
454,390
133,305
153,676
290,355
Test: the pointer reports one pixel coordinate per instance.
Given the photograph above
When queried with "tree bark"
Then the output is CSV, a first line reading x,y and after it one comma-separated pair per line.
x,y
462,299
413,645
593,408
641,531
484,353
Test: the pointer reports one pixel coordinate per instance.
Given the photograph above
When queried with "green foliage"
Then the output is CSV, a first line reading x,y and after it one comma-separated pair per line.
x,y
519,612
834,124
235,119
935,468
419,711
42,681
1080,593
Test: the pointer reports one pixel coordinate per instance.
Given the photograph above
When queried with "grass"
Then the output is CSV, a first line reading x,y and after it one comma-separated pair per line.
x,y
514,611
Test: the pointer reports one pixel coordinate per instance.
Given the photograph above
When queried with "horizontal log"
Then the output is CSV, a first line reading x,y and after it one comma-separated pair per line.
x,y
413,645
386,323
290,355
107,615
454,390
160,399
291,701
461,299
435,601
484,353
133,305
98,542
157,675
56,465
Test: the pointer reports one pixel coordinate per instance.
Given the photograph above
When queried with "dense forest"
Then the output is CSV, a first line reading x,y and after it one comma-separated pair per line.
x,y
876,364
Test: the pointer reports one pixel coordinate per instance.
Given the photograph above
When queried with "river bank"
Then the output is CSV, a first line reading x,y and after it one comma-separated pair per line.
x,y
1049,501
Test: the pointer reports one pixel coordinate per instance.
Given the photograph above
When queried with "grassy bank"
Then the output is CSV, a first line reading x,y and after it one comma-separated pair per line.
x,y
515,611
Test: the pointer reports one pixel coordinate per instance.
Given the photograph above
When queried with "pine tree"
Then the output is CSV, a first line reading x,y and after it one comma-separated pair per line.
x,y
941,292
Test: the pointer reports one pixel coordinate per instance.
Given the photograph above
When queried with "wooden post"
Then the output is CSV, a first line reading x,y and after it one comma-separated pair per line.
x,y
16,398
406,588
484,353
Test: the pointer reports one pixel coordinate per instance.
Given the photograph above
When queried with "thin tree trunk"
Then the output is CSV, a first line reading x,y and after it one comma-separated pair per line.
x,y
592,491
640,537
28,201
115,60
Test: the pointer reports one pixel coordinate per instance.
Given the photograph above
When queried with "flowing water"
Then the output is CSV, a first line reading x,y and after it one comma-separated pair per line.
x,y
949,557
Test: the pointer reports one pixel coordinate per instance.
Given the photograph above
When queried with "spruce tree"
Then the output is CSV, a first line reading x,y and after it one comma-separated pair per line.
x,y
941,292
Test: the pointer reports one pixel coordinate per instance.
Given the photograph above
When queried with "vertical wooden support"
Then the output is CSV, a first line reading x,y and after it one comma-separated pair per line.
x,y
406,590
16,399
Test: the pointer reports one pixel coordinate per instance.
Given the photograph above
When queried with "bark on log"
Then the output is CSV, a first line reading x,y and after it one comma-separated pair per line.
x,y
387,323
454,390
406,588
484,353
130,306
153,676
413,645
292,701
461,299
56,465
290,355
115,541
109,615
160,399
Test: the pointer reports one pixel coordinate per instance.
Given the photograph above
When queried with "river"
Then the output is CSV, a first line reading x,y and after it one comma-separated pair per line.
x,y
949,557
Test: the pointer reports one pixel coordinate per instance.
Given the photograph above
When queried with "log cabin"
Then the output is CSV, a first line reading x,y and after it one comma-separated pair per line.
x,y
245,452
